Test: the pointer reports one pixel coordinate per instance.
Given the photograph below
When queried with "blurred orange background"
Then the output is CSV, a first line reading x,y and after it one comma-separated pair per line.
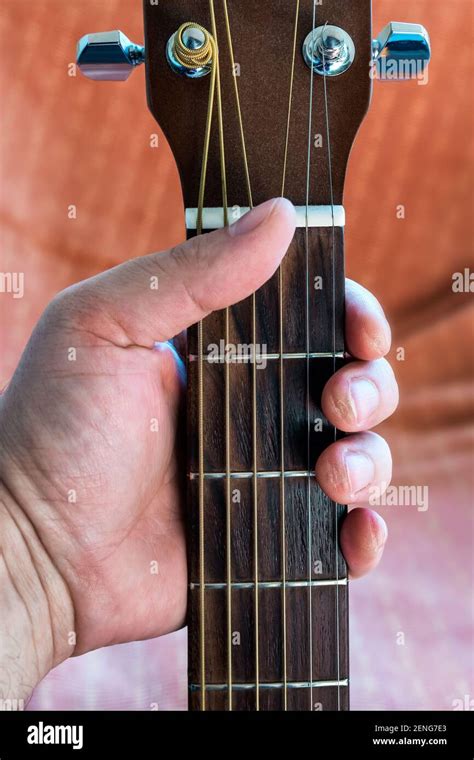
x,y
66,141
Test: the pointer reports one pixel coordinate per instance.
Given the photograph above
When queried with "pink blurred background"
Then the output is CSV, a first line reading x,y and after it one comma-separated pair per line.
x,y
65,141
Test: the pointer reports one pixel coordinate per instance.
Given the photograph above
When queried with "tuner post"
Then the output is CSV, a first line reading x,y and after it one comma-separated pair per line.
x,y
329,50
189,51
108,56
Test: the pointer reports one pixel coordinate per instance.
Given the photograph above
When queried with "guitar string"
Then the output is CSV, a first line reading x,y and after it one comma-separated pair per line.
x,y
333,276
237,102
290,97
308,416
254,374
202,572
228,503
282,503
207,54
255,507
282,382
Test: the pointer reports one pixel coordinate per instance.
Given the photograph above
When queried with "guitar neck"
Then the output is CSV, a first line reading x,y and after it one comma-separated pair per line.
x,y
254,104
268,585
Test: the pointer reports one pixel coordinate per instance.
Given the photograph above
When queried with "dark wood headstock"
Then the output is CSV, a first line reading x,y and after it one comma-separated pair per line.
x,y
263,41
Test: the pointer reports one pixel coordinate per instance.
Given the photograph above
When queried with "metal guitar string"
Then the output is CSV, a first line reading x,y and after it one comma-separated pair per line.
x,y
254,375
282,401
290,97
333,275
282,385
195,57
254,372
207,54
228,502
308,347
237,103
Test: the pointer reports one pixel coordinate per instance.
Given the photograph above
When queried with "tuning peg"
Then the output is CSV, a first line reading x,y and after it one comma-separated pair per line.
x,y
108,56
401,51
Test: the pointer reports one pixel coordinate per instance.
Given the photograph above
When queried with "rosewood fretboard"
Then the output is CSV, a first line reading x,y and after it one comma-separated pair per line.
x,y
316,599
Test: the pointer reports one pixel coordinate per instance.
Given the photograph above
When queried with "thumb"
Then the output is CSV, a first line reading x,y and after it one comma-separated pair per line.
x,y
205,273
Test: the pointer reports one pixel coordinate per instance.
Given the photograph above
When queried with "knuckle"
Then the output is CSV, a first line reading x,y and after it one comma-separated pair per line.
x,y
186,258
66,308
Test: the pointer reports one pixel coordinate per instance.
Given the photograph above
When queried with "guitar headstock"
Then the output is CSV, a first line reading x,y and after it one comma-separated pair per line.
x,y
316,56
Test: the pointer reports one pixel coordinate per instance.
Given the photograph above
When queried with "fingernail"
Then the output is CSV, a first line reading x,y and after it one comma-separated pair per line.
x,y
252,219
382,339
360,471
379,532
365,398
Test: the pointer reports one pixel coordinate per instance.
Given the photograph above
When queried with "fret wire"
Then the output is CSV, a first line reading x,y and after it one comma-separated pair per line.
x,y
243,585
308,176
274,685
221,359
260,474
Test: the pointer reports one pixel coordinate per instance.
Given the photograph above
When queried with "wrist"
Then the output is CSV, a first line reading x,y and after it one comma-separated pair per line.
x,y
37,628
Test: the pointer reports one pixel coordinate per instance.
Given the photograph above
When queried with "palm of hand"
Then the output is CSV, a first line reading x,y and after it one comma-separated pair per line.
x,y
102,428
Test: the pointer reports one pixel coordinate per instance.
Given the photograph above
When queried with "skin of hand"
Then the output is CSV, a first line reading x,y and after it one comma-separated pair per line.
x,y
92,539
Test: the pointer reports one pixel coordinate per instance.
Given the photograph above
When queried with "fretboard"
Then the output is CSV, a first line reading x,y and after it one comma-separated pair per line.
x,y
268,585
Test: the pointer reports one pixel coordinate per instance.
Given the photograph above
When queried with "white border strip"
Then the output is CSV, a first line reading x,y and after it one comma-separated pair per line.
x,y
314,216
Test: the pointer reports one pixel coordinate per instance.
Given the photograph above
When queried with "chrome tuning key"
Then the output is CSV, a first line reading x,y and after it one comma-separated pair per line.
x,y
108,56
401,51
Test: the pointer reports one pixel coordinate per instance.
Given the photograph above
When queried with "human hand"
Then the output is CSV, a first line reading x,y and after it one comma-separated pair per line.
x,y
91,496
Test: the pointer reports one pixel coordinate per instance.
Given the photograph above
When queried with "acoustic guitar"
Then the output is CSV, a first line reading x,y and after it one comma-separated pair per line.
x,y
258,100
